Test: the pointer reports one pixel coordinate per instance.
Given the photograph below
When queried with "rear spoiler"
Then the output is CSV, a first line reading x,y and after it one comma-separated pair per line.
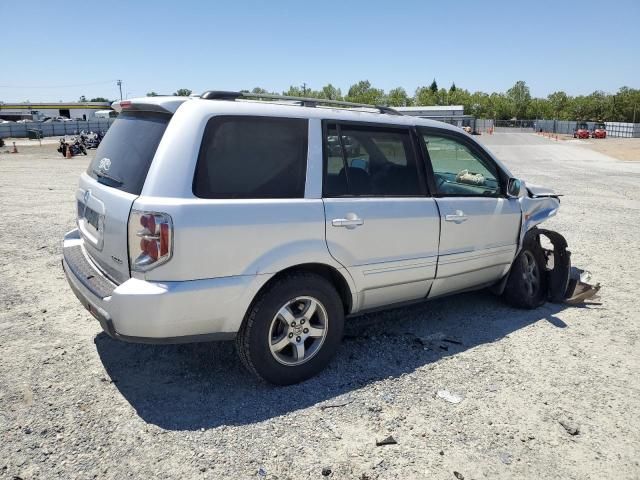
x,y
150,104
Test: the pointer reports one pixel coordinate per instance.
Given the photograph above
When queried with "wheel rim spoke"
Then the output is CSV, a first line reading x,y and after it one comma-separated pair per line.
x,y
280,344
530,274
310,310
316,332
286,314
299,351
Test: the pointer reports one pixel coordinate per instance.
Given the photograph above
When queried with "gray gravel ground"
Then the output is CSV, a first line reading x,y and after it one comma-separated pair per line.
x,y
76,404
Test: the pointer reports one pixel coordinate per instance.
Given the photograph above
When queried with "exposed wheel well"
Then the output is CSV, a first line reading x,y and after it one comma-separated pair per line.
x,y
332,275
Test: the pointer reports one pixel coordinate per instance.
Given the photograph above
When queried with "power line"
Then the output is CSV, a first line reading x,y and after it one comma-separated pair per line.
x,y
58,86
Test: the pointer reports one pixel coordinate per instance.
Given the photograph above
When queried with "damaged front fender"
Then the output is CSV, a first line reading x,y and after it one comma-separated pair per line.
x,y
537,204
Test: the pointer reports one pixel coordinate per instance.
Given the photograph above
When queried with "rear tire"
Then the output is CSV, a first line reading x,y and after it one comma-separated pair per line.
x,y
292,330
527,284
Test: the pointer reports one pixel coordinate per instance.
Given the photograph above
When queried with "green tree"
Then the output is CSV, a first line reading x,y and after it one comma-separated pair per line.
x,y
434,87
519,96
363,92
99,99
182,92
152,94
424,96
558,102
293,92
625,105
259,90
453,87
397,97
82,98
331,93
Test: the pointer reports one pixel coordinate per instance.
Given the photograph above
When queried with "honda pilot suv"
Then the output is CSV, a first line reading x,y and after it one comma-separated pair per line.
x,y
269,220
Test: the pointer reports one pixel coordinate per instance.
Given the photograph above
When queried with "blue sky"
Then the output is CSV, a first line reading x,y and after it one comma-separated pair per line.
x,y
63,49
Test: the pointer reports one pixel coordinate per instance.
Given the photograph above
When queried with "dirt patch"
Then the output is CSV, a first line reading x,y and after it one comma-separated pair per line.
x,y
626,149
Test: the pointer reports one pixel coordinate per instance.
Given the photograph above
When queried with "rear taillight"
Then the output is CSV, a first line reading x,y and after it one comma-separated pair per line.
x,y
150,240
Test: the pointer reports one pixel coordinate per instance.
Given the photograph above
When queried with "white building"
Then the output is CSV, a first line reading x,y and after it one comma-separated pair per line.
x,y
40,111
435,112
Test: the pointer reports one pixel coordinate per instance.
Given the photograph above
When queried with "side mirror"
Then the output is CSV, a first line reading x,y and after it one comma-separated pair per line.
x,y
513,188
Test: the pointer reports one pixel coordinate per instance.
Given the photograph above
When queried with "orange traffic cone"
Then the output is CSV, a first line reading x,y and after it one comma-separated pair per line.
x,y
68,153
14,150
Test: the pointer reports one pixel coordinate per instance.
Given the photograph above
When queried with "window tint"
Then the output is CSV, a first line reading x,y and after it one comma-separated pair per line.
x,y
125,154
370,162
458,170
252,157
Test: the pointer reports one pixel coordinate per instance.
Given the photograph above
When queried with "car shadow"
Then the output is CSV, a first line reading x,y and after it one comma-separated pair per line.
x,y
195,386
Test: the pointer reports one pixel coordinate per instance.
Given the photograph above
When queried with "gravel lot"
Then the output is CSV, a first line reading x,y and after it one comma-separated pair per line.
x,y
550,393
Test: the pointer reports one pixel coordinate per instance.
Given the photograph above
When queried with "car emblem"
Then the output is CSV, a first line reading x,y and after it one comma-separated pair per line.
x,y
104,165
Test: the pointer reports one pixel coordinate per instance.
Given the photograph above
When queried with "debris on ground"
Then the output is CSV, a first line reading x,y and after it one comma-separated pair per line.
x,y
506,458
449,396
337,404
570,427
436,340
386,441
579,288
326,471
458,475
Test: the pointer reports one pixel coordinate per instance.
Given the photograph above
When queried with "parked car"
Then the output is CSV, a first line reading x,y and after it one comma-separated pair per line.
x,y
599,130
581,130
227,217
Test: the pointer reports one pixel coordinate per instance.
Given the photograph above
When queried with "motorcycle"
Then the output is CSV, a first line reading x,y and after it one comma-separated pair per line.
x,y
92,140
75,145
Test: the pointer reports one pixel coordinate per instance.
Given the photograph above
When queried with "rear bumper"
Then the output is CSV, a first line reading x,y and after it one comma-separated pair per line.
x,y
158,312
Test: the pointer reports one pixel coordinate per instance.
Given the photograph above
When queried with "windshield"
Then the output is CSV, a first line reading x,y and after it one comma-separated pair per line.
x,y
582,126
599,126
125,154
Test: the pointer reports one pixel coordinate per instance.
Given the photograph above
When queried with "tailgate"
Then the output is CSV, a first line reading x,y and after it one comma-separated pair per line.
x,y
111,184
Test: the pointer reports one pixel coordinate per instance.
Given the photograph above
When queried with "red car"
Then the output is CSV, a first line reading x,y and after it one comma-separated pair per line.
x,y
581,131
599,130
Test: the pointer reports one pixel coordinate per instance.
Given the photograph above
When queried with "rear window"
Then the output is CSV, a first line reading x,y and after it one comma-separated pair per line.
x,y
252,157
125,154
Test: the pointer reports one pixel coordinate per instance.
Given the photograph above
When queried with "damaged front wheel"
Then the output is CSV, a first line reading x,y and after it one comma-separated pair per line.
x,y
527,283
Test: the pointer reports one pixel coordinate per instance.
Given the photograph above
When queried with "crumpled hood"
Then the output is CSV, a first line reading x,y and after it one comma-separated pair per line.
x,y
537,191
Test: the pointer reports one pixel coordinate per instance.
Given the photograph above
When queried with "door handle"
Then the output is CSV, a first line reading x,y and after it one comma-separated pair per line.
x,y
352,221
457,217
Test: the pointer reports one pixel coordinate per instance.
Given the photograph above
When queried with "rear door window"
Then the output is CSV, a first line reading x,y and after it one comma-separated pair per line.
x,y
127,150
370,161
252,157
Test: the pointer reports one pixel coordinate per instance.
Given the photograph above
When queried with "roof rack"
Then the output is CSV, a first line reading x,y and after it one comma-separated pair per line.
x,y
302,101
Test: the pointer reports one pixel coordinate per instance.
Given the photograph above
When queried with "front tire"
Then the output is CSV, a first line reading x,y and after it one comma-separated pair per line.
x,y
527,284
292,330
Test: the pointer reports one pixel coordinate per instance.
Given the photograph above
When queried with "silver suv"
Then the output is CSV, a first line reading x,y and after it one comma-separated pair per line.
x,y
270,219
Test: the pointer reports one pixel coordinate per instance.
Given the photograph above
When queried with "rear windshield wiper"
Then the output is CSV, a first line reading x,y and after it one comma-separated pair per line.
x,y
115,180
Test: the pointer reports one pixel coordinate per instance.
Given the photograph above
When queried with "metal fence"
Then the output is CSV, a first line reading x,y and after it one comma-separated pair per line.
x,y
566,127
53,129
476,124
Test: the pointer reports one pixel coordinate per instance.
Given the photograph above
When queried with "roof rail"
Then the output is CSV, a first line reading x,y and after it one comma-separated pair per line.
x,y
302,101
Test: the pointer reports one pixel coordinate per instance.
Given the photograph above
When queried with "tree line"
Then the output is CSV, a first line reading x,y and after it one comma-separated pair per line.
x,y
516,102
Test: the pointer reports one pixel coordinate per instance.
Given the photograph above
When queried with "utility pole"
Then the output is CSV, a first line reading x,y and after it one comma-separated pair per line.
x,y
119,82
